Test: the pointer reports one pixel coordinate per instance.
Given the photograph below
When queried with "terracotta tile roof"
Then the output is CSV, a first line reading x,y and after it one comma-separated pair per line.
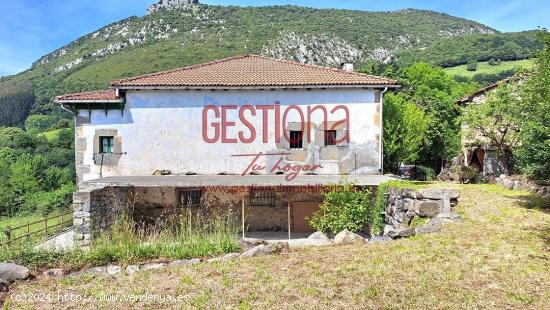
x,y
100,95
252,71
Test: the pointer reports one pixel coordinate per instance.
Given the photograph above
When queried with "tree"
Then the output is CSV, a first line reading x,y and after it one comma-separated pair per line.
x,y
533,153
39,123
435,92
471,65
494,123
405,128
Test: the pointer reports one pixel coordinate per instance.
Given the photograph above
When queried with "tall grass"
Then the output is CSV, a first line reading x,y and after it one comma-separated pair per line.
x,y
195,232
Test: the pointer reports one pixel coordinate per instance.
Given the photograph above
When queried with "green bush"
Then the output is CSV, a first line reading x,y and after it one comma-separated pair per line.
x,y
427,172
344,207
465,174
493,62
472,65
40,123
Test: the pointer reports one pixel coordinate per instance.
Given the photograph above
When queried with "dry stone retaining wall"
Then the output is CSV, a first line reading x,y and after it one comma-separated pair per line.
x,y
404,205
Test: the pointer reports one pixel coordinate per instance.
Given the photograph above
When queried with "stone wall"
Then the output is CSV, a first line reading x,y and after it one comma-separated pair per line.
x,y
522,183
96,208
404,205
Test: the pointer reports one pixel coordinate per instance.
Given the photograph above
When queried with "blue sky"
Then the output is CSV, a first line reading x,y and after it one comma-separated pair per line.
x,y
32,28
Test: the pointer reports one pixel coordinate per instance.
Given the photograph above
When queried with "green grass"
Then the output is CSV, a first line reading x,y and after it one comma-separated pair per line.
x,y
126,245
484,67
35,219
496,258
52,134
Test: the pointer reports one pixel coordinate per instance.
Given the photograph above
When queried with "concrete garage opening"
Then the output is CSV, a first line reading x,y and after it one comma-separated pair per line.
x,y
301,212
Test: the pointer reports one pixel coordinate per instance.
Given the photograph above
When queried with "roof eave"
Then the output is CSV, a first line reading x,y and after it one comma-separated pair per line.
x,y
215,87
61,101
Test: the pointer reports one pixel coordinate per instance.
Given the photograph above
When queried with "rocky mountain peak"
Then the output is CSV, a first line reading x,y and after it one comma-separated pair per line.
x,y
170,5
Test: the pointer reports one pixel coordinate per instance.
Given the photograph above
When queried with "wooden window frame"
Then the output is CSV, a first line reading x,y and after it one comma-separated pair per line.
x,y
110,144
330,137
296,143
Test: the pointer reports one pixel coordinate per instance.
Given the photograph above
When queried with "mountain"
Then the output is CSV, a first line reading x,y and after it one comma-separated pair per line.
x,y
177,33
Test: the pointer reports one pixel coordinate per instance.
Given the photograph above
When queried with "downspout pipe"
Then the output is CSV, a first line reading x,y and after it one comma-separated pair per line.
x,y
381,144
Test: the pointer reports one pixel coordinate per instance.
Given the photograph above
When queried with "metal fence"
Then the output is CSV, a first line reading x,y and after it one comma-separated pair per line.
x,y
40,228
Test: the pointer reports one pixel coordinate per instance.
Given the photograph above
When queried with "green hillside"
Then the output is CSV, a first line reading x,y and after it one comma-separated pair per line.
x,y
486,68
197,33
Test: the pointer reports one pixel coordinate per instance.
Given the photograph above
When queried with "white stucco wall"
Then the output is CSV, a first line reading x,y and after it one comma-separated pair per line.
x,y
162,129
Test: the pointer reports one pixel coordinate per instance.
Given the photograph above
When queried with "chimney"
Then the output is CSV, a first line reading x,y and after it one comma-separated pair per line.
x,y
348,67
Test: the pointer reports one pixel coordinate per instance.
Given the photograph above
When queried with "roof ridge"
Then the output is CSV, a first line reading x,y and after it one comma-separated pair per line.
x,y
340,70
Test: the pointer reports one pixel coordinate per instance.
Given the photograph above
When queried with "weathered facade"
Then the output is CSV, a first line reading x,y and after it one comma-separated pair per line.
x,y
247,115
163,130
478,152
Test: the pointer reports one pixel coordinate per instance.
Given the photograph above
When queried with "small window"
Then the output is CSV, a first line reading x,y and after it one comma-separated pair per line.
x,y
262,198
190,197
330,137
106,144
296,139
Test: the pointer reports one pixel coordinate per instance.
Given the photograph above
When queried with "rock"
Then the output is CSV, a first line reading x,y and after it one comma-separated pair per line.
x,y
347,237
113,270
184,262
10,272
401,233
387,229
248,243
170,5
307,243
55,273
431,227
451,217
266,249
131,269
380,239
408,204
152,266
226,257
98,270
427,208
319,235
4,286
438,193
409,193
162,172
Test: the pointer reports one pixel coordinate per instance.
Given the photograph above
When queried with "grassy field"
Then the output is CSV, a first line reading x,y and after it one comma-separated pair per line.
x,y
53,134
497,258
17,221
484,67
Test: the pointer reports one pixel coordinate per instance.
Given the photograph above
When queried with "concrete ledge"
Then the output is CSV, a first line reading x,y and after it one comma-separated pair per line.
x,y
234,180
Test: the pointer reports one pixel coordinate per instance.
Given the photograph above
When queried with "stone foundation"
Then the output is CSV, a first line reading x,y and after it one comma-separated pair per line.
x,y
96,208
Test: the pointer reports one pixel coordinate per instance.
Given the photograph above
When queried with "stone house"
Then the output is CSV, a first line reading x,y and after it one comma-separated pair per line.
x,y
257,133
478,152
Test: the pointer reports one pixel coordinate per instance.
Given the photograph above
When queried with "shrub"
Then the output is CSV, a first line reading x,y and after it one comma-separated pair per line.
x,y
344,207
40,123
465,174
471,65
493,62
427,172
